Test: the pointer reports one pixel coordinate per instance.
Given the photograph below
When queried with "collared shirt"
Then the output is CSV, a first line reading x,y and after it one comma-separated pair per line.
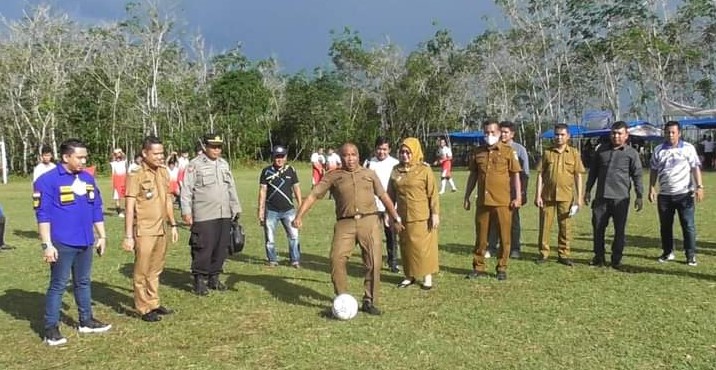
x,y
674,165
208,191
612,169
383,169
353,191
558,170
149,188
415,192
71,203
41,169
494,166
279,187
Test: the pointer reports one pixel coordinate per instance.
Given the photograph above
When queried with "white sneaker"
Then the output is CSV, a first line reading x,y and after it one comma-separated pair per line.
x,y
665,258
487,254
93,326
691,261
442,192
121,215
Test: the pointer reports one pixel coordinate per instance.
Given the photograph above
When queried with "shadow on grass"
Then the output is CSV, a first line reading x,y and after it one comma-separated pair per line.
x,y
654,244
171,277
355,269
119,299
30,307
29,234
281,288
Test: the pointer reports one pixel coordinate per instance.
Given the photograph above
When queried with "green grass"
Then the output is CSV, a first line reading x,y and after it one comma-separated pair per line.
x,y
656,316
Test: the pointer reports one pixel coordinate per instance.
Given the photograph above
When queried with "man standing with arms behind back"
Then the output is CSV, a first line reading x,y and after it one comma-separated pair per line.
x,y
382,163
149,207
495,169
208,204
559,171
614,168
674,164
68,205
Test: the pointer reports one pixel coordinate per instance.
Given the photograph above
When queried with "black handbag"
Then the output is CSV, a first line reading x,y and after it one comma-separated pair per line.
x,y
238,238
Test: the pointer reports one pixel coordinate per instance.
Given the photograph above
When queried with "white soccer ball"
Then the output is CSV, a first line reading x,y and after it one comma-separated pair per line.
x,y
345,307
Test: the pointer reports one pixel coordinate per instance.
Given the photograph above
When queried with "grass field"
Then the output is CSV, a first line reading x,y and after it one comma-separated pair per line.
x,y
654,316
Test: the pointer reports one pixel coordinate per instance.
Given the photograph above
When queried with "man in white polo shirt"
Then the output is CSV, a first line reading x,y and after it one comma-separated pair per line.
x,y
382,163
675,164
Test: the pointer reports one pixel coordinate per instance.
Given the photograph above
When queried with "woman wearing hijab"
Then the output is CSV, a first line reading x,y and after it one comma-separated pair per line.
x,y
413,188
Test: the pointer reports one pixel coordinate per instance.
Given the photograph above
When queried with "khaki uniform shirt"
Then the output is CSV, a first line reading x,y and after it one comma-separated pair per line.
x,y
208,191
415,192
352,191
494,166
149,188
558,171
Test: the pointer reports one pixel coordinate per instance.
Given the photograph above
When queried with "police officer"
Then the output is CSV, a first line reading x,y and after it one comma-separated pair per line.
x,y
353,188
208,203
67,205
149,208
493,168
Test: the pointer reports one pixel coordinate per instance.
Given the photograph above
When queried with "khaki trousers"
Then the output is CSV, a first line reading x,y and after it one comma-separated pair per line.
x,y
564,223
367,233
149,256
503,216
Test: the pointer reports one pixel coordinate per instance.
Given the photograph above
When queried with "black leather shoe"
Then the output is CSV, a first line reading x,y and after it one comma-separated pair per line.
x,y
515,255
541,260
565,261
151,316
596,262
474,275
501,275
161,310
200,287
426,287
368,308
403,284
215,284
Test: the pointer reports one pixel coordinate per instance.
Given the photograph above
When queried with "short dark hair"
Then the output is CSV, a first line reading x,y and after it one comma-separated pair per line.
x,y
561,126
673,123
149,141
618,125
46,149
489,122
380,140
508,124
68,146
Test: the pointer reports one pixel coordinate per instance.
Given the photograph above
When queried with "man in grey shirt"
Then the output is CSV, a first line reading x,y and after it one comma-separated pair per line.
x,y
507,134
614,168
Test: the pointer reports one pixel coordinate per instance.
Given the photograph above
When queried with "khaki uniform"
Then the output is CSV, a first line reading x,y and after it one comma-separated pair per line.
x,y
357,221
208,193
558,171
150,189
416,194
494,166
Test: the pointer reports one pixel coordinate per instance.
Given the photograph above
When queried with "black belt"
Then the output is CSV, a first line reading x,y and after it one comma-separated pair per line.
x,y
358,216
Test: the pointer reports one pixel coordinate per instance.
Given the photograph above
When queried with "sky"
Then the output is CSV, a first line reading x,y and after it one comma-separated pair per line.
x,y
297,32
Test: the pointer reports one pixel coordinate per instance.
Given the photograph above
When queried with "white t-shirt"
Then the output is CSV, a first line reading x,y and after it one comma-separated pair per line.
x,y
40,169
333,160
445,152
382,169
708,146
318,158
673,165
119,167
182,163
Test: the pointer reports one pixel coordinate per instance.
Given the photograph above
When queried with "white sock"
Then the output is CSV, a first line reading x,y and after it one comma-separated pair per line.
x,y
442,185
428,280
452,184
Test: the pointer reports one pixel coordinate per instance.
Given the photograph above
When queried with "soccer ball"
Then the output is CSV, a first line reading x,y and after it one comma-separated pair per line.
x,y
345,307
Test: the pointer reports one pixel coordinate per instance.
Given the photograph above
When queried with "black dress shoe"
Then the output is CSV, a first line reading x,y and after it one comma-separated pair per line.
x,y
161,310
474,275
501,275
541,260
565,261
515,255
596,262
151,316
404,284
426,287
215,284
368,308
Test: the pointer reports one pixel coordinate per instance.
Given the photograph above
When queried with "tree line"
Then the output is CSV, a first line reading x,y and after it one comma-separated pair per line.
x,y
547,62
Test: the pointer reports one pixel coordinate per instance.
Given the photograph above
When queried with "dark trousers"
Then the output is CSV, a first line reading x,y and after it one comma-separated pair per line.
x,y
2,231
602,210
683,204
209,243
390,241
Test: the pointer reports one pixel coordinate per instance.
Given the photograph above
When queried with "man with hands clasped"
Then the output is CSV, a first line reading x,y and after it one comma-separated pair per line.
x,y
149,215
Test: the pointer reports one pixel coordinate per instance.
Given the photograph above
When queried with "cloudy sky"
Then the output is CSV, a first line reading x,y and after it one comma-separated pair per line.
x,y
297,31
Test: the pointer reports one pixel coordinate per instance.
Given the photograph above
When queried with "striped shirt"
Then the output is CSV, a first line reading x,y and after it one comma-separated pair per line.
x,y
673,164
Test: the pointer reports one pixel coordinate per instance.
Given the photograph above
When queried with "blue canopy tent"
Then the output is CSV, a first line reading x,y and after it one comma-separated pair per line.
x,y
643,129
574,131
466,137
700,123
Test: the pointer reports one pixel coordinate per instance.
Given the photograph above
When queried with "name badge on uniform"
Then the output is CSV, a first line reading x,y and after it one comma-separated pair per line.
x,y
90,192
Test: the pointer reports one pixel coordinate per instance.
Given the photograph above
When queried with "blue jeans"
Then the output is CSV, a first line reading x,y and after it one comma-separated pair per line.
x,y
77,261
272,218
683,204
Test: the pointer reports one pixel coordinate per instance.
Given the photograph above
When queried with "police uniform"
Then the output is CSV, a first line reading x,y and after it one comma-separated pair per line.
x,y
149,188
494,166
557,170
357,221
72,205
208,194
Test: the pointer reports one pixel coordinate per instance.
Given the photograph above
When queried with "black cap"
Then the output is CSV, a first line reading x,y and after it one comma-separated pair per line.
x,y
213,139
278,150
